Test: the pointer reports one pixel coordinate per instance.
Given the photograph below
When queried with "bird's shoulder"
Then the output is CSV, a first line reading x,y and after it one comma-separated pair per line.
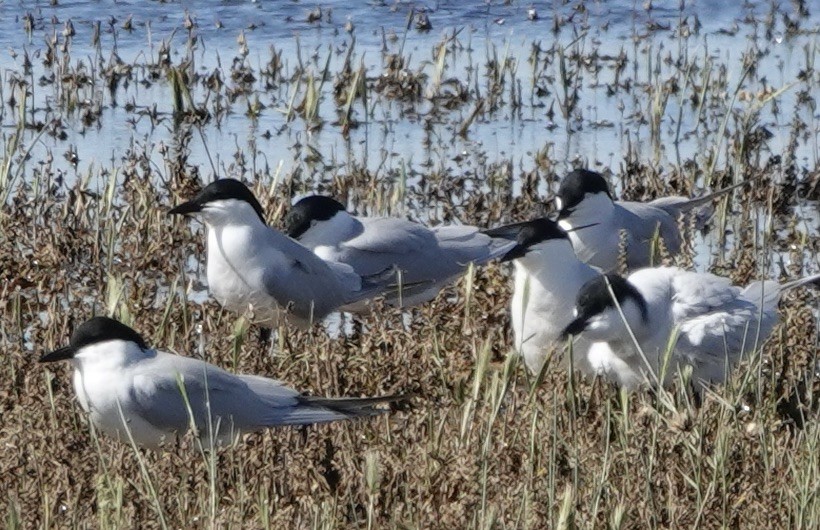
x,y
161,384
391,234
268,248
696,294
645,218
168,374
162,368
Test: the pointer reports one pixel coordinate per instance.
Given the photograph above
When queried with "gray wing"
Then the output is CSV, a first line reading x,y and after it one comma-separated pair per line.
x,y
702,206
676,205
467,244
391,235
287,407
717,323
767,293
347,277
236,403
714,342
697,294
641,222
305,293
314,292
388,242
300,280
157,391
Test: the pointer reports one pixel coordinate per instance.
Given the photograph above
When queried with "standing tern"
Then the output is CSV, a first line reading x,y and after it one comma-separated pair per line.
x,y
584,198
709,322
548,276
129,388
430,258
252,266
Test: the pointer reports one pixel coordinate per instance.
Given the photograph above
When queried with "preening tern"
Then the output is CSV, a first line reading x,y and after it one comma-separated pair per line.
x,y
714,322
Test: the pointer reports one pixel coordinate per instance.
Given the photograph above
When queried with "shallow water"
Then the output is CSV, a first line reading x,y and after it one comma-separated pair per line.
x,y
398,140
598,132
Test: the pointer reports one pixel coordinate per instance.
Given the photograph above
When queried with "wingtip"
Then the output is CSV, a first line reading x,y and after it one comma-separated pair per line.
x,y
357,407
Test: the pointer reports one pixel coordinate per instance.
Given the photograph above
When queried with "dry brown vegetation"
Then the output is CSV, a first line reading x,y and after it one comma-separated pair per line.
x,y
481,445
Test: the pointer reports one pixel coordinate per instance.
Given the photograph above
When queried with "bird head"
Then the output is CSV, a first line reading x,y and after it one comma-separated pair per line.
x,y
93,333
540,236
579,186
310,212
596,310
222,202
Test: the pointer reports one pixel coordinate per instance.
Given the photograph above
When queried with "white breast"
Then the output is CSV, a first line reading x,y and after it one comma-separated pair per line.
x,y
104,390
614,366
236,268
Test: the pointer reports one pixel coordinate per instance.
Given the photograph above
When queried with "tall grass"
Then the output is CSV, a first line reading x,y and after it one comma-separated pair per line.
x,y
483,444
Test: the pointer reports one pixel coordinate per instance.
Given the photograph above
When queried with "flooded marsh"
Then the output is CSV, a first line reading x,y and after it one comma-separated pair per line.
x,y
447,113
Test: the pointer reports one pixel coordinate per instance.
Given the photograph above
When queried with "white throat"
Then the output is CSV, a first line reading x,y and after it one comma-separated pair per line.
x,y
599,240
110,354
595,207
554,262
98,366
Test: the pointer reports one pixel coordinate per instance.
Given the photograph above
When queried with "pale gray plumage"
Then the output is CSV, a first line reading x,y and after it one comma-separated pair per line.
x,y
428,258
126,386
254,267
584,198
716,322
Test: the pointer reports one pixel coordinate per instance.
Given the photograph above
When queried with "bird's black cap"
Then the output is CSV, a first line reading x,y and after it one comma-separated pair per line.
x,y
309,209
218,190
93,331
527,234
577,184
594,298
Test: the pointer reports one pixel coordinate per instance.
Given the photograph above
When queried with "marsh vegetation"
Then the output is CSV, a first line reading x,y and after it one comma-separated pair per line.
x,y
451,115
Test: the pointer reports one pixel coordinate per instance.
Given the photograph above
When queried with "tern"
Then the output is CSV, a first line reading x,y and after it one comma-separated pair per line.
x,y
703,320
548,277
134,392
252,266
429,258
584,198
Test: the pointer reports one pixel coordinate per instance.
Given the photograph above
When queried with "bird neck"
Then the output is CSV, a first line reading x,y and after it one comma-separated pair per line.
x,y
341,227
596,207
554,262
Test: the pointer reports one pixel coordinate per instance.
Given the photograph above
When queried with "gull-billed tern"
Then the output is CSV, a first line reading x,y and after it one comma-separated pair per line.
x,y
252,266
708,322
132,391
584,198
548,276
430,258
